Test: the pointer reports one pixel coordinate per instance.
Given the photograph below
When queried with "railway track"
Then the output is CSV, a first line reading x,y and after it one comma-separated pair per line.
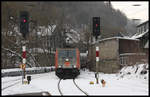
x,y
79,88
11,80
60,90
15,82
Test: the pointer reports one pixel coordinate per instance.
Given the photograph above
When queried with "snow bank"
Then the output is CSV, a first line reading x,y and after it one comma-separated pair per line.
x,y
137,71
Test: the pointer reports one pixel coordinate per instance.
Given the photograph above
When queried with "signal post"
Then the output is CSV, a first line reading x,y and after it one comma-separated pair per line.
x,y
24,29
96,33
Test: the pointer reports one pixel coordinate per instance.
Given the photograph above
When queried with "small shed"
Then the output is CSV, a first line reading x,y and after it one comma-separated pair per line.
x,y
114,53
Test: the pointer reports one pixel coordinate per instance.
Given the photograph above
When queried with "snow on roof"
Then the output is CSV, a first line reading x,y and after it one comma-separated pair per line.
x,y
46,30
143,22
39,50
73,35
132,54
75,32
135,36
51,28
128,38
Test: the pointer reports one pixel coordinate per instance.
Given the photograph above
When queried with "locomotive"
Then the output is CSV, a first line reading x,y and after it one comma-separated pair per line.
x,y
67,63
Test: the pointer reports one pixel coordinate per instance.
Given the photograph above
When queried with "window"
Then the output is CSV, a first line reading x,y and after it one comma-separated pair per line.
x,y
138,30
147,26
144,27
123,60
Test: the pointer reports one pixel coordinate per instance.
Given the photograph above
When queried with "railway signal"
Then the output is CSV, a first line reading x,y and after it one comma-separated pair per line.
x,y
24,29
24,23
96,26
96,33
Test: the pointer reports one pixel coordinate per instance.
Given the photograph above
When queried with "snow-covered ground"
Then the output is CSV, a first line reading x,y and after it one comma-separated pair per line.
x,y
129,81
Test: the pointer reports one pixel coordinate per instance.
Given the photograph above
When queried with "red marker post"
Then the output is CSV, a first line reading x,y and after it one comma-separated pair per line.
x,y
97,61
23,61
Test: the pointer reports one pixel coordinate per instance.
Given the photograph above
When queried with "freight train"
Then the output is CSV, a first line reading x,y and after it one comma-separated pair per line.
x,y
67,63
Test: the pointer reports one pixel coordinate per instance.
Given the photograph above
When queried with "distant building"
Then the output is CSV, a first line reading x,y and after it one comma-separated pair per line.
x,y
114,53
143,27
143,35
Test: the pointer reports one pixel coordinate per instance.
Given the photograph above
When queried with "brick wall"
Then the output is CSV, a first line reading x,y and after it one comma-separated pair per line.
x,y
108,54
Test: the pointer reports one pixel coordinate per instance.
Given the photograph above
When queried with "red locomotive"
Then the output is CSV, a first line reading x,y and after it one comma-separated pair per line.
x,y
67,63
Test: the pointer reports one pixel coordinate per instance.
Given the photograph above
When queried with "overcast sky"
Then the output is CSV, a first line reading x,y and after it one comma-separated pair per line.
x,y
133,12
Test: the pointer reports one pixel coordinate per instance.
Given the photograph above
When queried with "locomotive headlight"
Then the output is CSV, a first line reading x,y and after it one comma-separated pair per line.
x,y
59,66
67,59
74,66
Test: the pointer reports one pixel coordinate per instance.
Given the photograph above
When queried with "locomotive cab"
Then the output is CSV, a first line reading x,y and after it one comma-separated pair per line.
x,y
67,63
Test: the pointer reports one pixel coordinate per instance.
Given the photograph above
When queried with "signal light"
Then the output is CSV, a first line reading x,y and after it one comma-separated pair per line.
x,y
24,20
96,26
24,23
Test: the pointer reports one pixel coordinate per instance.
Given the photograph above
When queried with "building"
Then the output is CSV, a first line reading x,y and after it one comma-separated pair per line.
x,y
143,27
114,53
143,35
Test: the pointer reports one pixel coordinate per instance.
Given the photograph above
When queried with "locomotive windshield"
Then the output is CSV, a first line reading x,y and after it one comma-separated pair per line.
x,y
69,54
